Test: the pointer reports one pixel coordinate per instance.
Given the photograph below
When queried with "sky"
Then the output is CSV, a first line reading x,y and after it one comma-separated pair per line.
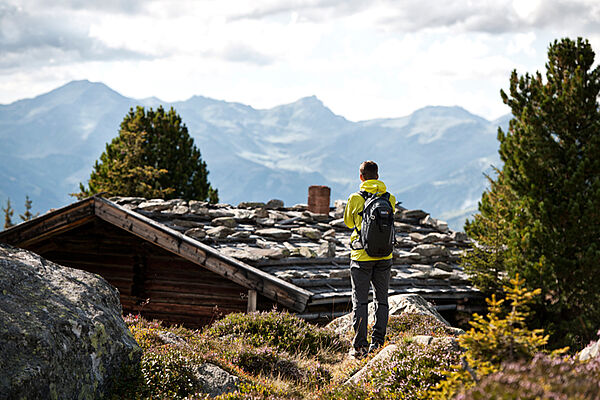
x,y
363,59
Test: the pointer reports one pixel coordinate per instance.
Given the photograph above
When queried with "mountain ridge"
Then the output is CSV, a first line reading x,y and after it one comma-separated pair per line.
x,y
253,154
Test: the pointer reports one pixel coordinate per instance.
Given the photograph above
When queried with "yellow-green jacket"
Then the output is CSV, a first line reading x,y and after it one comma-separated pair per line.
x,y
351,218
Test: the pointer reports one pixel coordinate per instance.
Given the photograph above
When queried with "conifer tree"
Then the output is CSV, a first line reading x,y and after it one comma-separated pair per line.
x,y
27,215
551,155
153,156
8,213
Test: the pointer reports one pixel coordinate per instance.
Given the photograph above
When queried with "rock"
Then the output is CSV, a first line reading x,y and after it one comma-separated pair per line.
x,y
413,214
311,233
413,303
275,204
196,233
224,221
266,221
154,205
338,223
184,223
591,351
326,250
399,304
306,252
241,235
435,237
431,250
299,207
432,341
379,361
220,232
171,338
441,226
179,210
340,273
214,380
329,234
61,330
220,212
340,206
251,204
402,227
443,266
459,236
274,233
417,237
135,201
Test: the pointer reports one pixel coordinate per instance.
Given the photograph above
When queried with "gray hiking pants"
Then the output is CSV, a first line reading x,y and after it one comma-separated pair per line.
x,y
362,274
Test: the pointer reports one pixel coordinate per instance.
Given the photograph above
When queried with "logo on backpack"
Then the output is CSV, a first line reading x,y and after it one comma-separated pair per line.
x,y
377,234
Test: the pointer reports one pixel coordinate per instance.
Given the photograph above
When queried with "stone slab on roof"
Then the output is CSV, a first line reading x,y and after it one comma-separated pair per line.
x,y
312,250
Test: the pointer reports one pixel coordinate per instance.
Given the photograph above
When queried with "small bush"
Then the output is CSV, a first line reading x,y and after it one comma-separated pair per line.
x,y
496,338
411,324
544,378
410,372
280,329
166,373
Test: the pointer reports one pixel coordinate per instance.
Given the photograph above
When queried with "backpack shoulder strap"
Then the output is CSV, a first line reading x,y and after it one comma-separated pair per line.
x,y
364,194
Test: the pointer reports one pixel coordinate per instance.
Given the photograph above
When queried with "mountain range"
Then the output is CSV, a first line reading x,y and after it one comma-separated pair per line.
x,y
434,159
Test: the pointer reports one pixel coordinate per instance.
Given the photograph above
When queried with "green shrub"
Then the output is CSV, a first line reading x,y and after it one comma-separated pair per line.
x,y
543,378
410,372
280,329
411,324
499,337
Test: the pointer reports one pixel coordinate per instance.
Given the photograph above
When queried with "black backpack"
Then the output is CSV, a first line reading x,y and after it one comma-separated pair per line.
x,y
377,234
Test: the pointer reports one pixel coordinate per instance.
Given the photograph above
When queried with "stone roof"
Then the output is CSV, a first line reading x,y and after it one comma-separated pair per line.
x,y
312,250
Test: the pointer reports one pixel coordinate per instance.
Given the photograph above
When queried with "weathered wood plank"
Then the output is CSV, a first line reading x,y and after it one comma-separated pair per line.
x,y
203,255
55,222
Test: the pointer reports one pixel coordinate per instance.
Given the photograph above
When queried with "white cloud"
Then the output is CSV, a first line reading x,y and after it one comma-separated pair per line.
x,y
382,58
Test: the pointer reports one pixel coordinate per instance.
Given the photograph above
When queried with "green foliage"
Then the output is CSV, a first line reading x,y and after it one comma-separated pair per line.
x,y
485,263
411,324
27,215
543,378
8,213
154,157
280,329
544,207
496,338
409,373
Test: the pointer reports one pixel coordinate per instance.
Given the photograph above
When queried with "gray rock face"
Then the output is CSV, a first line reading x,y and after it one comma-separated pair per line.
x,y
61,331
379,360
591,351
399,304
214,380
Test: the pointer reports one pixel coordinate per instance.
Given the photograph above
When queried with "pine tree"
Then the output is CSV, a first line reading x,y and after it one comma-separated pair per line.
x,y
486,262
27,215
153,156
551,155
8,213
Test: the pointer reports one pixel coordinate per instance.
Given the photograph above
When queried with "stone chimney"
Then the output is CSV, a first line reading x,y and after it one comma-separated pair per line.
x,y
318,199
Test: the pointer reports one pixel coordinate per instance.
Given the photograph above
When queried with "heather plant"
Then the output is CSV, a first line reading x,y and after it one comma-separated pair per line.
x,y
412,324
283,330
410,372
496,338
543,378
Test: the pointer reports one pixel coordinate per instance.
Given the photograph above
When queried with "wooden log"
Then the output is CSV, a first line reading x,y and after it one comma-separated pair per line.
x,y
53,223
252,297
203,255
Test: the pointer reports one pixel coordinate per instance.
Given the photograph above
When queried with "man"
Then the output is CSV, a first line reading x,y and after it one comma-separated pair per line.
x,y
366,269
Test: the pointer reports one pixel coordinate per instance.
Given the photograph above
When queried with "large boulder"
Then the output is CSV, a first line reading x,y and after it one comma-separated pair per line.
x,y
62,335
399,304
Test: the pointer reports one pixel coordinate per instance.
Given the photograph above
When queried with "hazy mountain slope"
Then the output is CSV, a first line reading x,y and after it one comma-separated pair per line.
x,y
432,159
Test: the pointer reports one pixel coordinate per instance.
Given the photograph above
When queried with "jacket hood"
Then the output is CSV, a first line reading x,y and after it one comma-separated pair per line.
x,y
373,186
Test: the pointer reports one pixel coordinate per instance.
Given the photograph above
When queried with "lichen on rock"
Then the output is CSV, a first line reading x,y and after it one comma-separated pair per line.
x,y
61,330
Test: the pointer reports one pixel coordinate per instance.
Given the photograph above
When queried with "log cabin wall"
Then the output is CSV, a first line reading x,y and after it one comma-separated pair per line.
x,y
151,281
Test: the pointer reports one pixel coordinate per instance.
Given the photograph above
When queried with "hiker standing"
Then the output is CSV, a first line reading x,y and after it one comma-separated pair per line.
x,y
372,243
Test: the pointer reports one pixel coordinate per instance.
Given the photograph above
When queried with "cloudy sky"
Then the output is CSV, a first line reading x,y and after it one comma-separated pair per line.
x,y
363,59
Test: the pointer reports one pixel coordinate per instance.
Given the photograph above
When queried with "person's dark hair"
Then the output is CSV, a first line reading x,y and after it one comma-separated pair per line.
x,y
369,170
